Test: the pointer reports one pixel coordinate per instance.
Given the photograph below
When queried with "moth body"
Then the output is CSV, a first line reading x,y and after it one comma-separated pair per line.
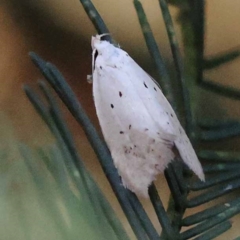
x,y
138,123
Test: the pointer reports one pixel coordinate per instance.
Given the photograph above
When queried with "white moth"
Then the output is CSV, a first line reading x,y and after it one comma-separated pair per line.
x,y
138,123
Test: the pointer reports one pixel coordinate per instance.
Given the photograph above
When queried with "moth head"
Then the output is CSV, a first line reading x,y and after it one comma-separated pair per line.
x,y
102,47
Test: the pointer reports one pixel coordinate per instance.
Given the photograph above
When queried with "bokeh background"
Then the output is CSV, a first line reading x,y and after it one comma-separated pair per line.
x,y
60,32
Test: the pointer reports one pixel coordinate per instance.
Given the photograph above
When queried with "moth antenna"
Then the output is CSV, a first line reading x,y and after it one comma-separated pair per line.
x,y
102,35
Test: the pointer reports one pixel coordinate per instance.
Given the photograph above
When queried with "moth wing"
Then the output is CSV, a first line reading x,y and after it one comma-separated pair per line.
x,y
138,165
188,154
139,146
136,118
133,96
162,111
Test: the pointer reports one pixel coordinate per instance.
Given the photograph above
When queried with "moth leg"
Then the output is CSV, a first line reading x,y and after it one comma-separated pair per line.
x,y
90,79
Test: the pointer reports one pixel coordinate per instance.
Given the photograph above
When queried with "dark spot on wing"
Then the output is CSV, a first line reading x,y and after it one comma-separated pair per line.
x,y
112,106
121,132
145,85
100,67
155,89
146,129
167,122
171,115
127,149
120,94
130,126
